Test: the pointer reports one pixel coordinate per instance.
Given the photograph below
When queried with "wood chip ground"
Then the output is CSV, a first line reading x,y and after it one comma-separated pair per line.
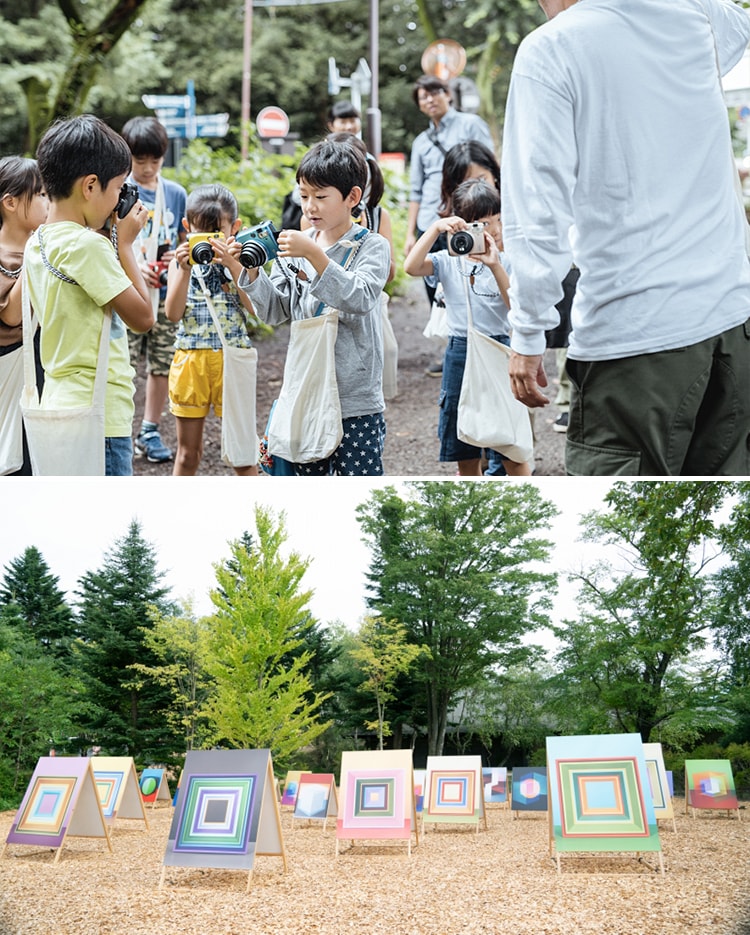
x,y
456,882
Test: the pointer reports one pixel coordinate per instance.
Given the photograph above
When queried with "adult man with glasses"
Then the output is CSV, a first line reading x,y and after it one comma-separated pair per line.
x,y
447,127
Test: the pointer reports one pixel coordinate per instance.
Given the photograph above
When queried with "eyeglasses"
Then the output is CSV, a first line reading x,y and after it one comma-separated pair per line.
x,y
430,95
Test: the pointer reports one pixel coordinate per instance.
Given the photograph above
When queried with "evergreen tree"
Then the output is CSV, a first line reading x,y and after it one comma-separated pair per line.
x,y
454,563
116,604
262,697
31,595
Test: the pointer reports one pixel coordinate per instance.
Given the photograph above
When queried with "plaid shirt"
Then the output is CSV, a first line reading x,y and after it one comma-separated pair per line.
x,y
197,330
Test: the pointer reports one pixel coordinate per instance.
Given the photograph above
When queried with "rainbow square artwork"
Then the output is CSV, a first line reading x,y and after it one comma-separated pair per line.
x,y
374,799
596,788
710,784
452,793
215,815
108,785
44,811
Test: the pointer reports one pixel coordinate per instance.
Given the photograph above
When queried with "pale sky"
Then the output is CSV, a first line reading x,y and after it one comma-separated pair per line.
x,y
74,521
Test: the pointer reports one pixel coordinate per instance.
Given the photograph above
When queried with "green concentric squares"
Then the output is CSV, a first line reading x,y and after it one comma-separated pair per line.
x,y
216,814
620,812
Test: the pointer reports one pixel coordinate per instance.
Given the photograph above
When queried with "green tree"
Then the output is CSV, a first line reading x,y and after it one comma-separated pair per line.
x,y
262,694
630,656
38,706
382,652
116,603
458,565
180,644
32,594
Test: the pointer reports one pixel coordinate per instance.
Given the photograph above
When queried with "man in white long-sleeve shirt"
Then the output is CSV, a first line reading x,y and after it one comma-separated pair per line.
x,y
616,156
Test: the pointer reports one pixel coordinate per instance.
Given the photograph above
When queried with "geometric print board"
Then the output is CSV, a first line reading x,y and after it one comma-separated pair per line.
x,y
454,791
154,786
658,784
529,791
710,784
599,794
316,797
61,799
495,780
117,785
226,812
291,785
377,798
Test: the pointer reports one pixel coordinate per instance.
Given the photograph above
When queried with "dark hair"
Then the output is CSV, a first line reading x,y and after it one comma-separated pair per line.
x,y
475,199
377,182
146,136
331,164
208,205
76,146
428,83
342,110
456,165
20,178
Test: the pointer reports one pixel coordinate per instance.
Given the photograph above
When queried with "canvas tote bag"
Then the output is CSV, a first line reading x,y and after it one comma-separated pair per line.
x,y
63,441
489,415
239,437
306,424
11,420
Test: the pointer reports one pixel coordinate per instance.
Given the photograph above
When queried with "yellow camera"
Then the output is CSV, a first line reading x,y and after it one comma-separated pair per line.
x,y
200,249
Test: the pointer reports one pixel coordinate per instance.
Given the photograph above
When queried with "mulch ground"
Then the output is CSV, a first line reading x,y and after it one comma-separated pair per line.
x,y
456,882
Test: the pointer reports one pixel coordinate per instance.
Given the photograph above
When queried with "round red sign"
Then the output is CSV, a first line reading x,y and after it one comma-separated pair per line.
x,y
272,121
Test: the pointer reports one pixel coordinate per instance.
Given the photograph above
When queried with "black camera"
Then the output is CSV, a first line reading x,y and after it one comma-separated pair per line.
x,y
259,244
468,241
128,197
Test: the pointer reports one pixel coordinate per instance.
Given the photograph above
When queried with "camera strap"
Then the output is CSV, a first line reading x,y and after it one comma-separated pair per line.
x,y
346,260
47,265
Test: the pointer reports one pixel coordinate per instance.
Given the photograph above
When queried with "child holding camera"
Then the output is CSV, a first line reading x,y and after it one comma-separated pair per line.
x,y
471,262
343,266
197,372
165,202
75,276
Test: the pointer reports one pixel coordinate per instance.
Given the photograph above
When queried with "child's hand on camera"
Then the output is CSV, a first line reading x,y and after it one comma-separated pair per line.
x,y
226,256
132,224
294,243
182,256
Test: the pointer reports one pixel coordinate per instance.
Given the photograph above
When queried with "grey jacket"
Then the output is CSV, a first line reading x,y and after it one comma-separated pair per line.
x,y
355,292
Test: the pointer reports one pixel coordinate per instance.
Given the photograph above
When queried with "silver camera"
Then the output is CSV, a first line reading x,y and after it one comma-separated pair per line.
x,y
469,240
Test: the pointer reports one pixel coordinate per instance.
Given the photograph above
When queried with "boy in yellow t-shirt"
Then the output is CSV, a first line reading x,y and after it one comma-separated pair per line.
x,y
74,274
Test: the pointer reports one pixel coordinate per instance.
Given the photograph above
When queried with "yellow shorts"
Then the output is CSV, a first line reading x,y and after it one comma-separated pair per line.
x,y
196,383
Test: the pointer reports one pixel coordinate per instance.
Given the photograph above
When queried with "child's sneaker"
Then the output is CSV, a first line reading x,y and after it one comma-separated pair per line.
x,y
152,447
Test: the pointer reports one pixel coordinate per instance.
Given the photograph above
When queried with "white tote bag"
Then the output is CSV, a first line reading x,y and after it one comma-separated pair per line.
x,y
11,421
239,436
489,415
64,441
390,352
307,424
437,324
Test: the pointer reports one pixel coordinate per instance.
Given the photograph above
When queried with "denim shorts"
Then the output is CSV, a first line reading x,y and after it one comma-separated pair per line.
x,y
118,456
451,446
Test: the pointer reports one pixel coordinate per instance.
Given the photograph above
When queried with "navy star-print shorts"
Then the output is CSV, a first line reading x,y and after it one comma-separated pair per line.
x,y
360,453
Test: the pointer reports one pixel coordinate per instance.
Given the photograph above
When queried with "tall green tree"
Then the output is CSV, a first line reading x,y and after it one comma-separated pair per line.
x,y
458,565
647,608
38,707
383,653
262,693
180,644
33,595
117,603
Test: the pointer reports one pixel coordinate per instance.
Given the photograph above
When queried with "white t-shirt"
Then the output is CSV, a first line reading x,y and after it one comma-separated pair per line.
x,y
616,156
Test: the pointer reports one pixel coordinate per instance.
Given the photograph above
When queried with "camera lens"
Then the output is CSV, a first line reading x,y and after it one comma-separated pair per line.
x,y
163,277
462,243
253,255
202,253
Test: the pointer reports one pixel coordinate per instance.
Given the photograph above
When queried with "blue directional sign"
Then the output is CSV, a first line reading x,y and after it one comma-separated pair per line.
x,y
177,114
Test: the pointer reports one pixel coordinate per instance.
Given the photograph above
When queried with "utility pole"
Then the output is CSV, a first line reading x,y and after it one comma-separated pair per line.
x,y
247,43
374,136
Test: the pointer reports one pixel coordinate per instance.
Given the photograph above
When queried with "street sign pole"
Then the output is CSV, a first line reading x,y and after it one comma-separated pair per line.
x,y
246,71
374,137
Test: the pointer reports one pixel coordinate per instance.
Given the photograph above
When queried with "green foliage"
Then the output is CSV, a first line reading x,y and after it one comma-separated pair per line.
x,y
180,644
261,699
456,564
383,654
117,603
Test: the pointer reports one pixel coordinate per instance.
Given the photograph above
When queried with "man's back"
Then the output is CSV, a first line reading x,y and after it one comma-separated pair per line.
x,y
634,120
